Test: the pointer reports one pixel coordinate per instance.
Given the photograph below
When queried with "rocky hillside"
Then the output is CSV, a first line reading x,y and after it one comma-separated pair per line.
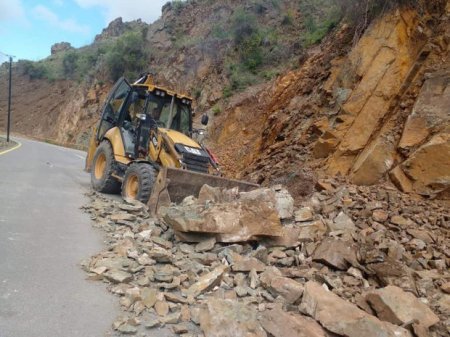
x,y
293,87
380,110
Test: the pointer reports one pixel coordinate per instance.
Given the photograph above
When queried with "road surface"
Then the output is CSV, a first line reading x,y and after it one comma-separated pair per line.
x,y
43,238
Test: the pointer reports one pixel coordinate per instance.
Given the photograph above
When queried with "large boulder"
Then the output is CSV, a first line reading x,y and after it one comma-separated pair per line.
x,y
282,324
397,306
223,318
344,318
231,217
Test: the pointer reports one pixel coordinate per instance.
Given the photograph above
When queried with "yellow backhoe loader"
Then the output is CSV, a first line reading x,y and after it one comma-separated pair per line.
x,y
143,146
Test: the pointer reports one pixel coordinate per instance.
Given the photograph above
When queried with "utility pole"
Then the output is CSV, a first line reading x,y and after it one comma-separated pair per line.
x,y
8,126
9,100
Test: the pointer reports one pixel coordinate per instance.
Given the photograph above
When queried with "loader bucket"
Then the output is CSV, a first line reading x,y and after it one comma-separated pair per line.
x,y
173,185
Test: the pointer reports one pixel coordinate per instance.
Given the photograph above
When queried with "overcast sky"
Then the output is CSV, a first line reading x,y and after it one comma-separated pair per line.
x,y
28,28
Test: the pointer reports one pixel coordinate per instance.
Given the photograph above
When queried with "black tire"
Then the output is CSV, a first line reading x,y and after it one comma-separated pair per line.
x,y
138,182
103,167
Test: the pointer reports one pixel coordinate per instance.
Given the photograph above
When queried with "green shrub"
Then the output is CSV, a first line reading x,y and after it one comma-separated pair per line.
x,y
197,93
288,19
251,52
34,70
216,110
126,57
219,32
227,92
243,26
69,63
320,17
247,39
240,78
178,5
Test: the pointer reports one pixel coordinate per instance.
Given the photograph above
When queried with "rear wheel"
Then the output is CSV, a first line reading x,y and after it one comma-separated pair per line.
x,y
138,182
102,169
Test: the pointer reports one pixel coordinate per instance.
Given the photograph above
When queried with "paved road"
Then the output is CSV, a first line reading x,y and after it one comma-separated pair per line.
x,y
43,237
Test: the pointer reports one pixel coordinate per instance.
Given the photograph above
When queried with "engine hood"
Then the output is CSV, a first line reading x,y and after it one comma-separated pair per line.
x,y
179,138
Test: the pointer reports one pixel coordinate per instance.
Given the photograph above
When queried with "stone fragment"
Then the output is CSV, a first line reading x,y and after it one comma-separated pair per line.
x,y
145,260
149,297
336,253
241,291
400,180
246,264
185,313
342,317
99,270
379,215
118,276
254,279
429,165
311,231
401,221
289,238
443,305
122,217
160,255
153,323
132,208
289,289
172,318
324,147
210,194
324,185
303,214
282,324
127,329
446,287
284,204
161,308
205,245
268,275
342,223
223,318
180,328
171,297
163,243
394,305
206,282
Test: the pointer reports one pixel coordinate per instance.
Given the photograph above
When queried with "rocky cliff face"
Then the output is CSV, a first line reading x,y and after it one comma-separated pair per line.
x,y
380,110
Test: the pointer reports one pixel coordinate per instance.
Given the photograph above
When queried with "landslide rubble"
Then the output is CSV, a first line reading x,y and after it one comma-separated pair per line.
x,y
347,261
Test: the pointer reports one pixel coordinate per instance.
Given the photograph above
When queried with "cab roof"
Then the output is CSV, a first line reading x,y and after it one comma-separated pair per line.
x,y
146,82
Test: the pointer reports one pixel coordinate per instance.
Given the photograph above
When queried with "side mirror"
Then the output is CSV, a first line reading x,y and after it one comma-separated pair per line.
x,y
205,119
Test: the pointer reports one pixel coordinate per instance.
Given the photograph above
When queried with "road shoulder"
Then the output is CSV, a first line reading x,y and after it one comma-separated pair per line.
x,y
6,147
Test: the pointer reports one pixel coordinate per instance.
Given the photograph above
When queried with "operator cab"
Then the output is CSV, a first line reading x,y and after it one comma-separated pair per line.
x,y
138,108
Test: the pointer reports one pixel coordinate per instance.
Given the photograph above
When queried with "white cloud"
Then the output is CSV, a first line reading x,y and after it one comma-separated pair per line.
x,y
11,10
50,17
147,10
58,2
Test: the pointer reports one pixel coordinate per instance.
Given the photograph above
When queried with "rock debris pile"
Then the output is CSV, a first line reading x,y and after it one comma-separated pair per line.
x,y
349,261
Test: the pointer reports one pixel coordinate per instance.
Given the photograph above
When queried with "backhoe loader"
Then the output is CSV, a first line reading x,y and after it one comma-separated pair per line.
x,y
143,146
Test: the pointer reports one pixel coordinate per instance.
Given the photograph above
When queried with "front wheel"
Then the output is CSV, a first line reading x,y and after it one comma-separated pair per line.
x,y
138,182
103,166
